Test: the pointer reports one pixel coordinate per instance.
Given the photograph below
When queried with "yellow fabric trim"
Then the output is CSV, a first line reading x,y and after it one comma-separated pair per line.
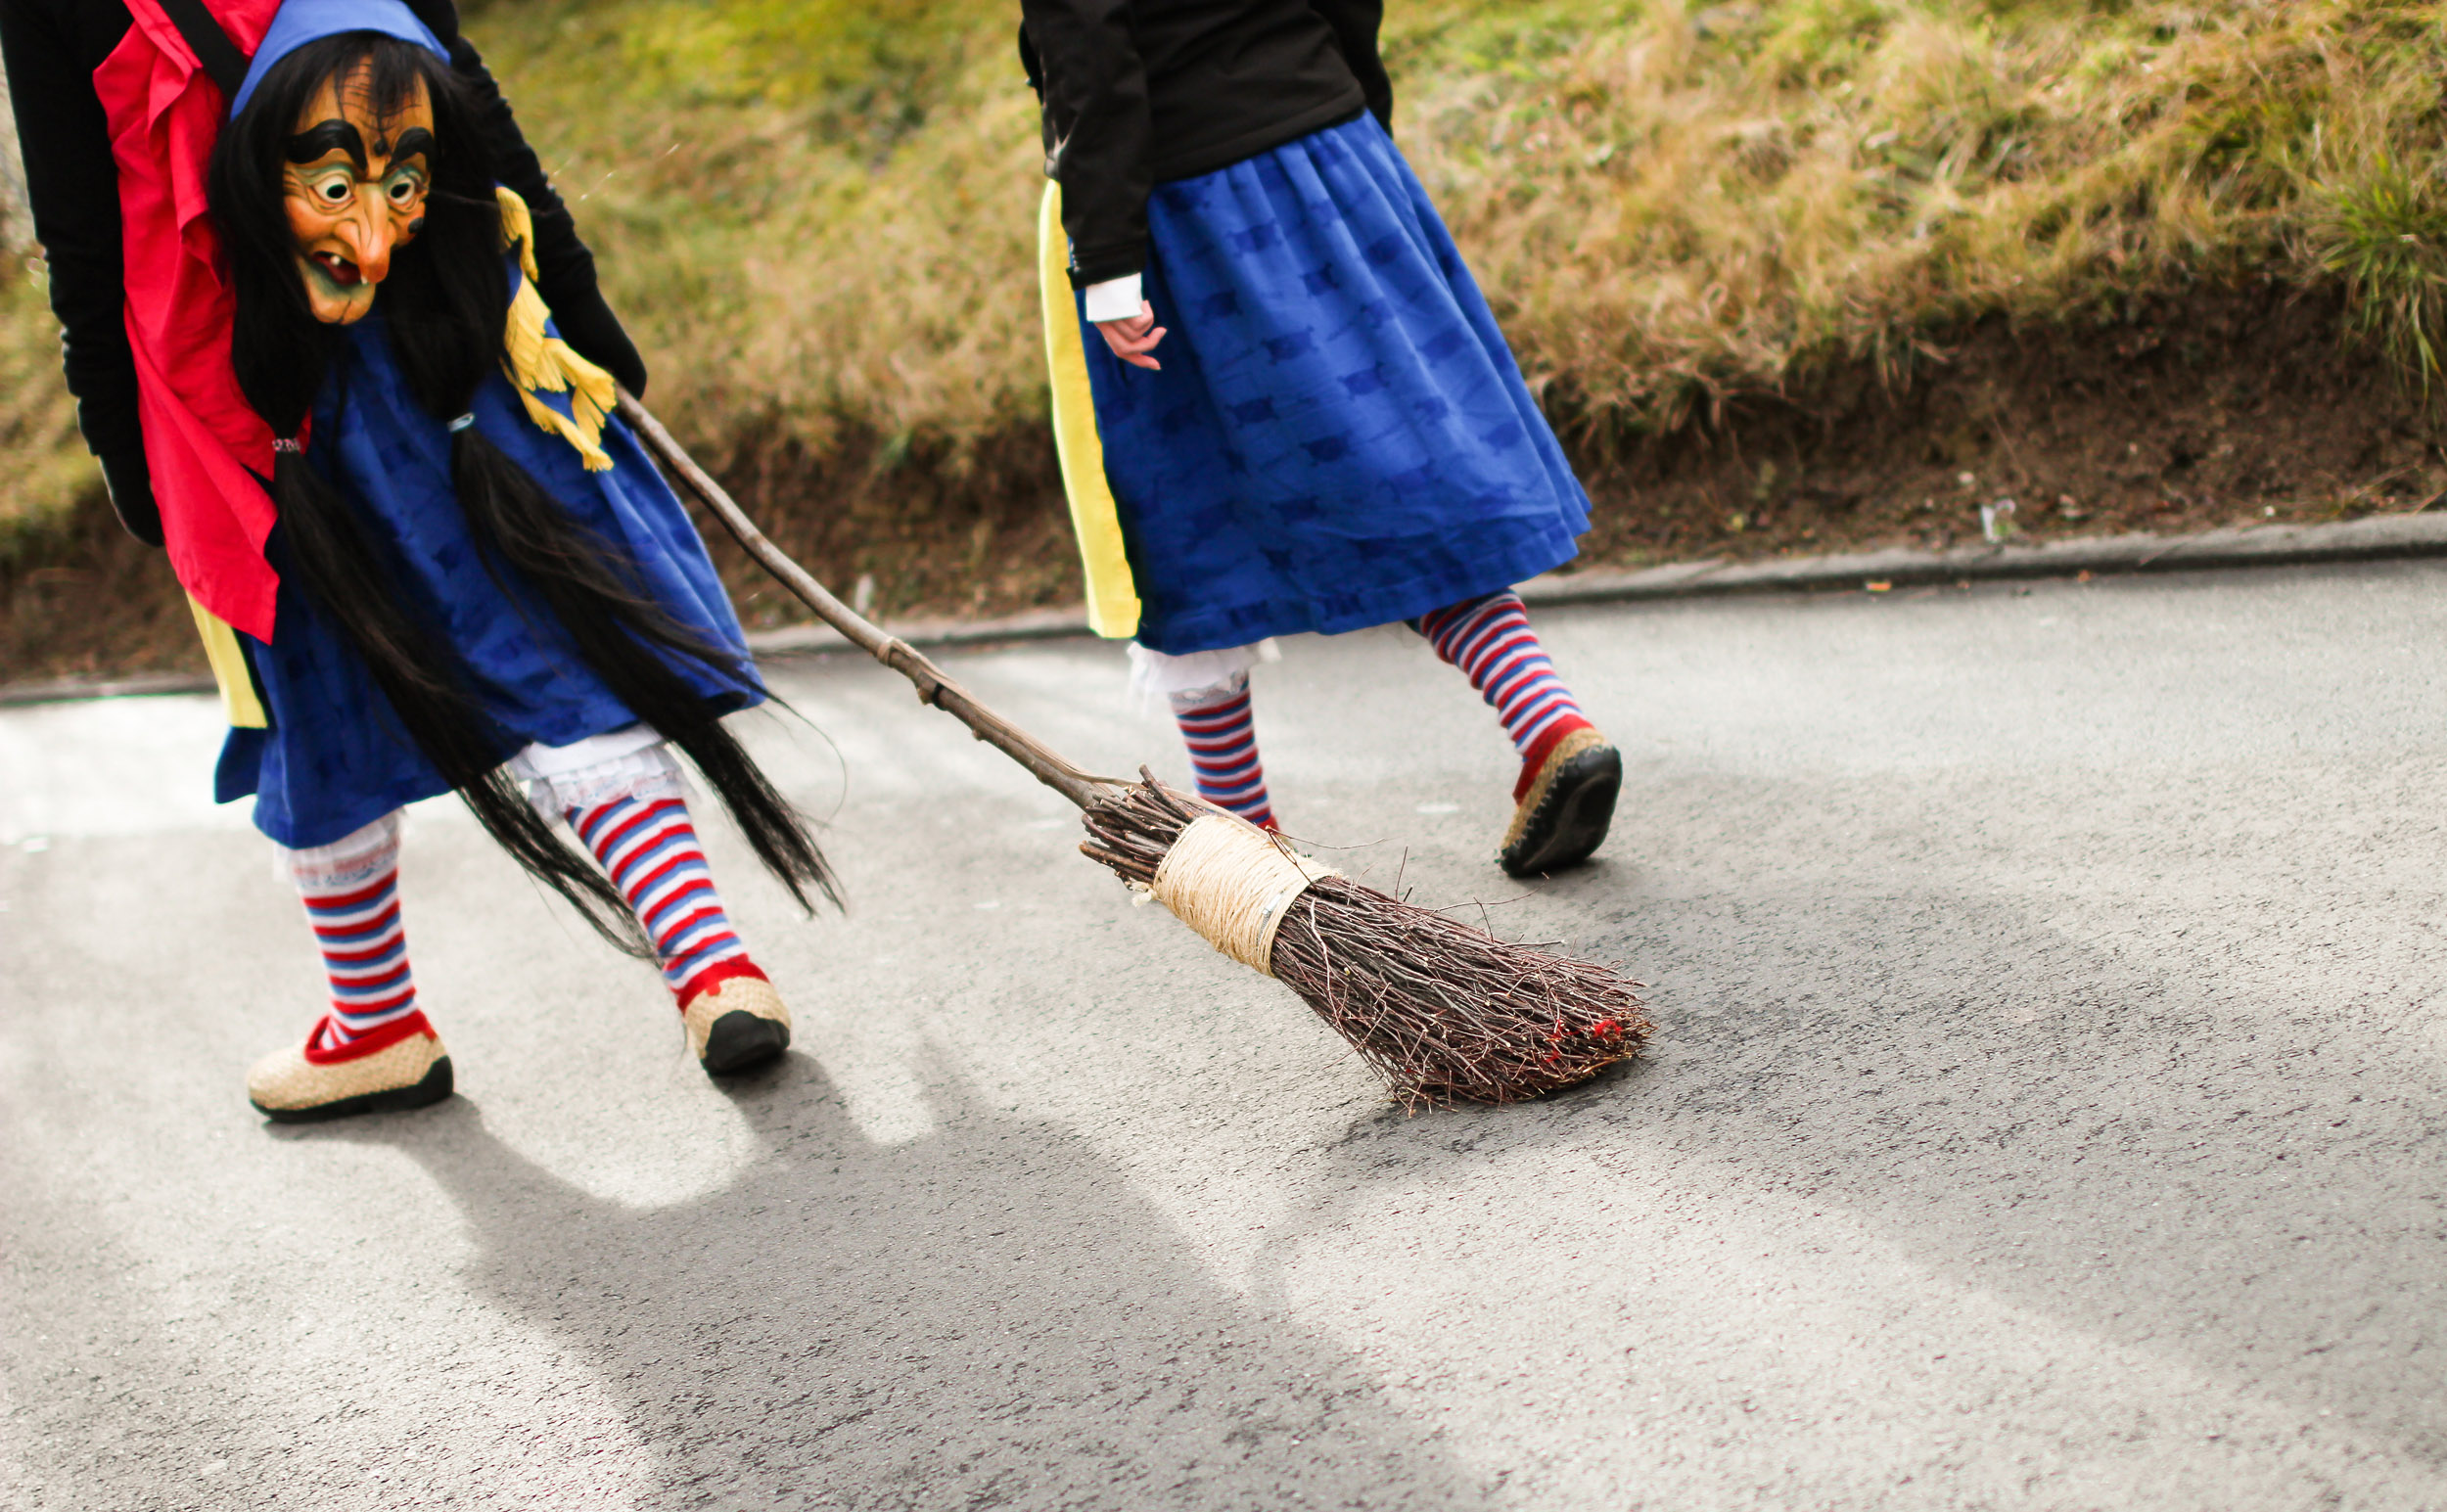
x,y
1112,593
229,668
540,363
517,228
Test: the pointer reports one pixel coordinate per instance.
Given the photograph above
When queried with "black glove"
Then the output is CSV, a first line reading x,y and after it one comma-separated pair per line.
x,y
588,324
130,481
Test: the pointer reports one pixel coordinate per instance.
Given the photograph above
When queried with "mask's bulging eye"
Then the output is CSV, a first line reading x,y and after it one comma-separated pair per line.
x,y
330,190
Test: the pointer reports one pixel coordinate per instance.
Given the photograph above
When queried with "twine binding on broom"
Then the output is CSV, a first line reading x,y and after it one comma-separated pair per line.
x,y
1235,884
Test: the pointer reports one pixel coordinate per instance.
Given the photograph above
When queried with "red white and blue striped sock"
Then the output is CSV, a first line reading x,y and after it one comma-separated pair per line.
x,y
365,950
1222,739
650,849
1490,639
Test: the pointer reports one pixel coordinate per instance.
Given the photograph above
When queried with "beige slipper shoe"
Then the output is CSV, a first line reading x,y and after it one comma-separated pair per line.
x,y
398,1066
736,1026
1564,808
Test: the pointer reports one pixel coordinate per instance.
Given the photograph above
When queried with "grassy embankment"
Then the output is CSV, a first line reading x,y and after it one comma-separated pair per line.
x,y
1788,274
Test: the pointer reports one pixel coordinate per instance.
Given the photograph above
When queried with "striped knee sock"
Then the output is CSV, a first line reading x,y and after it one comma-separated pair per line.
x,y
352,893
1222,741
650,849
1490,639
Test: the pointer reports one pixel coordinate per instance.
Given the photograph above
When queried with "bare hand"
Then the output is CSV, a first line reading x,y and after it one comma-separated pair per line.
x,y
1132,336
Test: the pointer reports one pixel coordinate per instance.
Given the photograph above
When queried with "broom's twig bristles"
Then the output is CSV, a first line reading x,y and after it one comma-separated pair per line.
x,y
1438,1009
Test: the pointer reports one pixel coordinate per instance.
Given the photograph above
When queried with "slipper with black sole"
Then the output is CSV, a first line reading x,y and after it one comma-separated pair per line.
x,y
323,1078
1564,816
736,1026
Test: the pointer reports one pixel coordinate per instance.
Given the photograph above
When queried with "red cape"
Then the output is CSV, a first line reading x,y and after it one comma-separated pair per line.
x,y
208,451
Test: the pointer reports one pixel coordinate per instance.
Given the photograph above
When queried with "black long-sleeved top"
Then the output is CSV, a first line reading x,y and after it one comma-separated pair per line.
x,y
51,48
1138,92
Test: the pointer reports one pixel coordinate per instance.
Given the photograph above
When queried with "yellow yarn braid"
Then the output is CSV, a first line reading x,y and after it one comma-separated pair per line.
x,y
538,363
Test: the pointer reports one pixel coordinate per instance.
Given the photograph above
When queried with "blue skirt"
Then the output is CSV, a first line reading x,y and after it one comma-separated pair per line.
x,y
336,758
1339,436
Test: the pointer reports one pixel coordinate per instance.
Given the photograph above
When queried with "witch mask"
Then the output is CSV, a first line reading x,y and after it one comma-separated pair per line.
x,y
354,190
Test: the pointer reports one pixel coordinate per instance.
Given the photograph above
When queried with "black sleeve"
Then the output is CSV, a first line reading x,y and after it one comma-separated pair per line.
x,y
1095,93
72,184
566,269
128,478
1355,23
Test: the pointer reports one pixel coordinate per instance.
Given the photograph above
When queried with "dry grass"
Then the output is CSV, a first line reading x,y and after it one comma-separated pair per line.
x,y
1666,203
817,215
1681,203
43,465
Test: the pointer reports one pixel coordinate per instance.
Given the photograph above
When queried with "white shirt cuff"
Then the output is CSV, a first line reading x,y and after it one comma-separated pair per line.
x,y
1115,298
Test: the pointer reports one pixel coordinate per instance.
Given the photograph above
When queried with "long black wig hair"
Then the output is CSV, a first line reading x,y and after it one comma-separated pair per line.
x,y
445,302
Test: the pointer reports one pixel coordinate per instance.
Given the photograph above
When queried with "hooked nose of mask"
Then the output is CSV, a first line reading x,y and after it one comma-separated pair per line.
x,y
369,239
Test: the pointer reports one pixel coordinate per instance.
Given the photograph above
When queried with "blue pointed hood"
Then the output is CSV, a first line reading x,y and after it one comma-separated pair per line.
x,y
301,22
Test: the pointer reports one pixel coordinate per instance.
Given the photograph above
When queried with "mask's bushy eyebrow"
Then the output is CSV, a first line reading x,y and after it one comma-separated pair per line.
x,y
414,140
325,137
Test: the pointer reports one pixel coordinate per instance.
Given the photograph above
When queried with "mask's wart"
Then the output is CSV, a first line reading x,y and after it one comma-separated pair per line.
x,y
356,186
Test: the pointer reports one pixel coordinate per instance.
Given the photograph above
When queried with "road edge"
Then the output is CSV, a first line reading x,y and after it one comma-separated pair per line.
x,y
2375,538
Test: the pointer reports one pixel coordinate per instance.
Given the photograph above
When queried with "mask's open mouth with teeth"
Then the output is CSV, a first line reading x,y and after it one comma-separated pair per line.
x,y
340,270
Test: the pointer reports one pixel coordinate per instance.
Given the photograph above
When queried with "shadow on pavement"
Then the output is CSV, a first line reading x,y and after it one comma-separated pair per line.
x,y
985,1316
2154,1148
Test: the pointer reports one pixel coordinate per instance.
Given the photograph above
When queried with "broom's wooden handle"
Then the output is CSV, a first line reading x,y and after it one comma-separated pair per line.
x,y
934,685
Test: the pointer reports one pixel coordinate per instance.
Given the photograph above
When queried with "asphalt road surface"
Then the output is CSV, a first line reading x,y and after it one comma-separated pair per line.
x,y
2046,1109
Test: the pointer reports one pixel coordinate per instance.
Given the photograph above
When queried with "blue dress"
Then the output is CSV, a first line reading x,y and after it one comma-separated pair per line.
x,y
336,758
1339,436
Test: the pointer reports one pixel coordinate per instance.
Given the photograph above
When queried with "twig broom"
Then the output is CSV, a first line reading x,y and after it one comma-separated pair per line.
x,y
1436,1008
